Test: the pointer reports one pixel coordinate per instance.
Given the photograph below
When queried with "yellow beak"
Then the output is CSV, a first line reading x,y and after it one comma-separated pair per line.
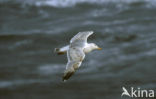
x,y
99,48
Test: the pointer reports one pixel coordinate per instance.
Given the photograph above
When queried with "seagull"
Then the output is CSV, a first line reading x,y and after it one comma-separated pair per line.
x,y
76,51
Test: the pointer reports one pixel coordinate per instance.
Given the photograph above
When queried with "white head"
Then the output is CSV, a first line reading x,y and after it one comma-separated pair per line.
x,y
90,47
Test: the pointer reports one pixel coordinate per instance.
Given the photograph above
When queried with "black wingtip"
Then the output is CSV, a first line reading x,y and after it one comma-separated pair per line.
x,y
67,76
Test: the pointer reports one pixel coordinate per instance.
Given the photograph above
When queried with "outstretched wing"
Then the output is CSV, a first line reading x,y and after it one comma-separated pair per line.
x,y
80,38
75,53
61,50
71,67
75,58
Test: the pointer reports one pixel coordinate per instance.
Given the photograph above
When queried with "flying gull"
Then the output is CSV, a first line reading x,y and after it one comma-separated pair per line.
x,y
76,51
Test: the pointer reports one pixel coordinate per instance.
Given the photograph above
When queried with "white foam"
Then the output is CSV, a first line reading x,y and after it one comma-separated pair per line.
x,y
48,69
70,3
15,83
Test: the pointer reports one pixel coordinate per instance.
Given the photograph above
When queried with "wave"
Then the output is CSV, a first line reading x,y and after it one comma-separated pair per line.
x,y
16,83
71,3
51,69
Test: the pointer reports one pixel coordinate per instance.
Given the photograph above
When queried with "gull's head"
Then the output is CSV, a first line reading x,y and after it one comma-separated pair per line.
x,y
93,46
90,47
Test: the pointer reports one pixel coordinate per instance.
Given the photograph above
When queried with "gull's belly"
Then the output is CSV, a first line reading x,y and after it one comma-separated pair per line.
x,y
76,54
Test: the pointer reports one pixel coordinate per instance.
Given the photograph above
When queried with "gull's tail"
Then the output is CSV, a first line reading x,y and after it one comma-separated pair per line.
x,y
58,51
61,50
68,73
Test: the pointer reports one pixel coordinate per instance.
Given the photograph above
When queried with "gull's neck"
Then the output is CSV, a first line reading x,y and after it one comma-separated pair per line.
x,y
88,48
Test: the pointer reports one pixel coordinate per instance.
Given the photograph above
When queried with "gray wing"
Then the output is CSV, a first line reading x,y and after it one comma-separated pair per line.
x,y
75,53
61,50
75,58
80,38
71,67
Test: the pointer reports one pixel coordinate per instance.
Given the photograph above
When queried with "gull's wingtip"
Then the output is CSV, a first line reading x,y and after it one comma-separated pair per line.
x,y
64,80
90,32
57,50
67,76
87,32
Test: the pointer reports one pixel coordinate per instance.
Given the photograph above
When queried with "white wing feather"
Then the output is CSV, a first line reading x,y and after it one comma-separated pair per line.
x,y
81,36
75,53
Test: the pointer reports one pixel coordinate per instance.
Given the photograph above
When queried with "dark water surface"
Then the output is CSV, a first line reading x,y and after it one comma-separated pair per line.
x,y
31,29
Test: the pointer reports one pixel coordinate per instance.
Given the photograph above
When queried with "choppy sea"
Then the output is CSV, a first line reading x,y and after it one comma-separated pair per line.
x,y
31,29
